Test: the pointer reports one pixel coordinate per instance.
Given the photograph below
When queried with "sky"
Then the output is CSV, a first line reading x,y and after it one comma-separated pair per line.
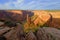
x,y
30,4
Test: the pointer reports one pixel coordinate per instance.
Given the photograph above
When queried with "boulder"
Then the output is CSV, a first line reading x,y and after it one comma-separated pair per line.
x,y
48,33
53,32
41,35
30,36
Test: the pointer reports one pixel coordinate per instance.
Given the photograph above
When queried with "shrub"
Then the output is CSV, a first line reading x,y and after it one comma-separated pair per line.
x,y
2,20
10,24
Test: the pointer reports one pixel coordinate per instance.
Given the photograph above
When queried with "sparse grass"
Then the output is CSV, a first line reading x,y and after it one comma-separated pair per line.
x,y
32,27
28,27
44,25
34,17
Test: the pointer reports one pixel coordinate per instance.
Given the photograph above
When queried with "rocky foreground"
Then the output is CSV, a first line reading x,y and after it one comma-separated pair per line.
x,y
45,33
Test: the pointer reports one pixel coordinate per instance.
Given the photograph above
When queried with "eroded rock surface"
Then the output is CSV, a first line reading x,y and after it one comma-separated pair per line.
x,y
31,36
48,33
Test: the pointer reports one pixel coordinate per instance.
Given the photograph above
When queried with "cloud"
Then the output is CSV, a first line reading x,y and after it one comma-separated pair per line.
x,y
31,5
52,5
11,4
18,2
48,5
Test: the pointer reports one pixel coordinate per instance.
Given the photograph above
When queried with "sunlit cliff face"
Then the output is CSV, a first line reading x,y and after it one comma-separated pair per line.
x,y
15,11
44,15
55,14
38,12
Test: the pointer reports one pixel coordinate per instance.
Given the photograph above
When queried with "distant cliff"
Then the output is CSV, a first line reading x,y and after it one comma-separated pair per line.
x,y
14,15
